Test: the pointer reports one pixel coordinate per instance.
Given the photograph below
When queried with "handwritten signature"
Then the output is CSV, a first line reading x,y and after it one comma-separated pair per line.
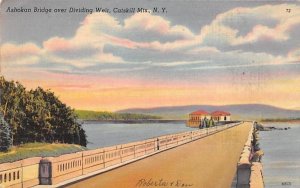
x,y
162,183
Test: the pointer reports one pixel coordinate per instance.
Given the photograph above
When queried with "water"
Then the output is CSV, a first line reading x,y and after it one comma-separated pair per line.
x,y
109,134
281,161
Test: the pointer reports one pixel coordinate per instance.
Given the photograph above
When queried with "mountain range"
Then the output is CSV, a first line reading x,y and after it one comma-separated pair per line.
x,y
238,111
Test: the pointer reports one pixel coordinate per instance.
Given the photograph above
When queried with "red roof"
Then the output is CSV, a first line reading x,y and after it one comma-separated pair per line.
x,y
200,112
220,113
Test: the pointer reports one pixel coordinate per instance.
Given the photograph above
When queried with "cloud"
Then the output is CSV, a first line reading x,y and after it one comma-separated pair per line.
x,y
203,50
156,32
156,24
58,44
104,41
178,63
286,22
294,55
263,23
24,54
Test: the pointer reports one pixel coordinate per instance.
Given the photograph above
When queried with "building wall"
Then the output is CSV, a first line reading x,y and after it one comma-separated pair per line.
x,y
221,118
194,120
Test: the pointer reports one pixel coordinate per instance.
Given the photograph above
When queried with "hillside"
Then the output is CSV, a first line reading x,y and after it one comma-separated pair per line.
x,y
240,111
95,115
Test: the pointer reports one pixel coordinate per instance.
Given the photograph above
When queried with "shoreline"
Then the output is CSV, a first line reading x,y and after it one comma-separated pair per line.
x,y
281,121
134,121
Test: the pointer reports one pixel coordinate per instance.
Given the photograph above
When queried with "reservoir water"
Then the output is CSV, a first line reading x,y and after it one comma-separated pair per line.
x,y
281,161
109,134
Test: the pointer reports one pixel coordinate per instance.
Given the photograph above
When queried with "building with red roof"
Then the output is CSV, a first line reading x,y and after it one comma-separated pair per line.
x,y
197,118
220,116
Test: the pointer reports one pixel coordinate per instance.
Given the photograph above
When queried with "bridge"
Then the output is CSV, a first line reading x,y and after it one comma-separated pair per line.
x,y
207,162
199,158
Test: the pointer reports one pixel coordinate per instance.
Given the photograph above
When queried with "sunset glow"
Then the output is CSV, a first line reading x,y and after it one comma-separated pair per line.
x,y
237,54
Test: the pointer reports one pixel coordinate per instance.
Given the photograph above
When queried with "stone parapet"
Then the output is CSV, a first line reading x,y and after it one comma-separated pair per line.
x,y
249,174
256,178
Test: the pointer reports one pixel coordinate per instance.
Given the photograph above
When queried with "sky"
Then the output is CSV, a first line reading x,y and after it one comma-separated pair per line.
x,y
193,53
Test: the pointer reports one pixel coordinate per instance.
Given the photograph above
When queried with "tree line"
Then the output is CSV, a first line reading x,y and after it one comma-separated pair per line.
x,y
38,115
93,115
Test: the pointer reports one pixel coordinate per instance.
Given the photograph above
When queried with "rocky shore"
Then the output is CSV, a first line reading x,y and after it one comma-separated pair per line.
x,y
261,127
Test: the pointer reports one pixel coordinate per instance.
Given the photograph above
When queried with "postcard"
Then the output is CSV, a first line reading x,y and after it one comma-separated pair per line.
x,y
149,93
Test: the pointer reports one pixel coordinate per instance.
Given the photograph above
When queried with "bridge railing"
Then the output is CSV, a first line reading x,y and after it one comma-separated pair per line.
x,y
249,174
244,164
23,173
54,170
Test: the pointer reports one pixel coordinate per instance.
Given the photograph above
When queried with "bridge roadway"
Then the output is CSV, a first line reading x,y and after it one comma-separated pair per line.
x,y
209,162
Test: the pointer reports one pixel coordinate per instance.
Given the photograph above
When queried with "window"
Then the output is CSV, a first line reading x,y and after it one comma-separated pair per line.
x,y
0,178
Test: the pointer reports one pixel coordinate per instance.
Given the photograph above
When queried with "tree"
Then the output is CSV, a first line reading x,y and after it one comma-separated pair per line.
x,y
5,132
38,116
211,123
5,135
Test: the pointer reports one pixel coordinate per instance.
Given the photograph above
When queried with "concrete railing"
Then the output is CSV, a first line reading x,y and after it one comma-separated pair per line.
x,y
244,164
23,173
256,177
249,174
54,170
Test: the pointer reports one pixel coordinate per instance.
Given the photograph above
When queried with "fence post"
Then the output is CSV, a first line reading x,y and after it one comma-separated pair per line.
x,y
45,172
134,151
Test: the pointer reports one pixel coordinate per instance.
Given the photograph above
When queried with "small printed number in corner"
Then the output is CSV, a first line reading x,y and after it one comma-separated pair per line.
x,y
286,183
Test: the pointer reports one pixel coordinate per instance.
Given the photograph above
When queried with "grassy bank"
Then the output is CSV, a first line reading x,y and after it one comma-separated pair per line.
x,y
38,150
95,115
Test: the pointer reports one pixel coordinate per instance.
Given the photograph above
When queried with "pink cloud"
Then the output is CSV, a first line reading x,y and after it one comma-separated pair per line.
x,y
57,44
121,42
10,51
23,54
156,24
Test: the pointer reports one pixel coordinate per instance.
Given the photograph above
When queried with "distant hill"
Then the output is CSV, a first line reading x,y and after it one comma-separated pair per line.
x,y
239,111
94,115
